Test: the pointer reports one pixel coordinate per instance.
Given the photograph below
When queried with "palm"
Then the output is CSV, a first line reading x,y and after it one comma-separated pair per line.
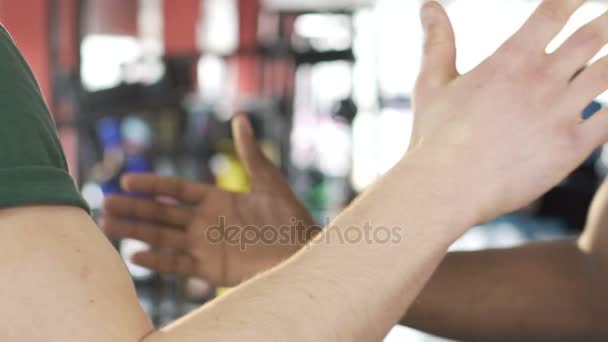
x,y
244,256
205,236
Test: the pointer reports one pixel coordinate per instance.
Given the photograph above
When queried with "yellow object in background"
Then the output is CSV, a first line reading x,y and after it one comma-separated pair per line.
x,y
233,176
220,291
230,174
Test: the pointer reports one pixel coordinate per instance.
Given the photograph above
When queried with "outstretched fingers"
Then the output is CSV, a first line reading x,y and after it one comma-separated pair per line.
x,y
146,210
188,192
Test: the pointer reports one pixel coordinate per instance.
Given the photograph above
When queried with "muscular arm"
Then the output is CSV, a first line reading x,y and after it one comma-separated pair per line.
x,y
552,290
62,280
544,291
335,290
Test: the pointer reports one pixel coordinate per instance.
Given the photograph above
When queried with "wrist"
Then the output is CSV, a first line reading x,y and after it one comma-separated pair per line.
x,y
442,183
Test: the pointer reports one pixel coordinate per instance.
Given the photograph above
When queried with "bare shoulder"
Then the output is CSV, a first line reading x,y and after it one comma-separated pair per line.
x,y
62,280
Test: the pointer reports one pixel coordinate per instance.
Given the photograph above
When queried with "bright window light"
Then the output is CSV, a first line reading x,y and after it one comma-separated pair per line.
x,y
325,32
334,148
104,58
365,85
212,76
220,26
397,44
128,248
380,141
365,150
480,26
396,127
332,82
150,26
93,195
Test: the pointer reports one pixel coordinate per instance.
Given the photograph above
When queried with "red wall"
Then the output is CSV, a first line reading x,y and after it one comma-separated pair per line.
x,y
179,30
28,23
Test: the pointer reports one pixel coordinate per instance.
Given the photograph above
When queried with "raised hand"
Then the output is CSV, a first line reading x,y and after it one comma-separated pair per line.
x,y
184,236
512,126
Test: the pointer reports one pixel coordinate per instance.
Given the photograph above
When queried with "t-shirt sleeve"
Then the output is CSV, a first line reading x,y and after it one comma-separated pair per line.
x,y
33,168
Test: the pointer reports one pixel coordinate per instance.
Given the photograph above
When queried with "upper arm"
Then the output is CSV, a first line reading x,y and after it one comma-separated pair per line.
x,y
62,280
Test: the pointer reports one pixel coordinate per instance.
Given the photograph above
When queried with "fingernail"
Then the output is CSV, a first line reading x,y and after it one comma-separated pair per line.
x,y
427,14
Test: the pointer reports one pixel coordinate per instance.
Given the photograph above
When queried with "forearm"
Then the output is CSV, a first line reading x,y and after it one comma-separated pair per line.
x,y
356,284
545,291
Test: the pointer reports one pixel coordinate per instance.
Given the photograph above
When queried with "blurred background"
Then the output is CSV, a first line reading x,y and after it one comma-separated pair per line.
x,y
150,85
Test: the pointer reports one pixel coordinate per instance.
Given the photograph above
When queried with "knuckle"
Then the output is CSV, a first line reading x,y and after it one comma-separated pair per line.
x,y
435,36
163,264
163,212
602,70
596,74
157,237
589,36
573,139
601,77
433,43
140,208
537,74
513,52
543,72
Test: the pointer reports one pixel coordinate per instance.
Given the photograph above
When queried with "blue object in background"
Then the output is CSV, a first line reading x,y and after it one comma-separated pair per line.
x,y
593,108
133,164
137,164
108,133
110,137
112,186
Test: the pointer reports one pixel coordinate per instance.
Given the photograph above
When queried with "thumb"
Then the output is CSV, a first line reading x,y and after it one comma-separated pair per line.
x,y
247,146
439,58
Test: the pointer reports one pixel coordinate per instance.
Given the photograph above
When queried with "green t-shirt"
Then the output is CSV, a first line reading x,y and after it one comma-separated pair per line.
x,y
33,169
